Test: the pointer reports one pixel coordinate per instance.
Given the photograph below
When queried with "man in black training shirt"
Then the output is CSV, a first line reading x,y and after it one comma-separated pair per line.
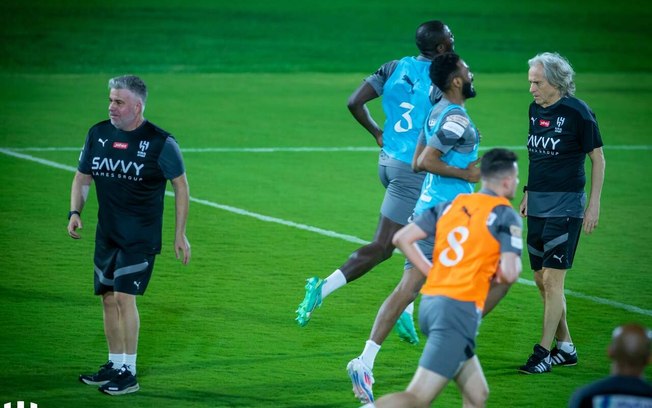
x,y
629,352
130,159
563,130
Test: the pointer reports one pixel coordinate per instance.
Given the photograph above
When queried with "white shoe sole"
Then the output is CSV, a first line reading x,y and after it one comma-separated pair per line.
x,y
127,390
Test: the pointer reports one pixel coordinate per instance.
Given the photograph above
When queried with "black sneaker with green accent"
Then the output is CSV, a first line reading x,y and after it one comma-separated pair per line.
x,y
106,373
123,383
562,358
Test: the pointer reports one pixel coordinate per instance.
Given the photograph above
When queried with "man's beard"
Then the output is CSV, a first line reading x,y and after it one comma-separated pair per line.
x,y
468,91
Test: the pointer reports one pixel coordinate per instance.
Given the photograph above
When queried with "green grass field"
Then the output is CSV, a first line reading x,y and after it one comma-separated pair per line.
x,y
220,331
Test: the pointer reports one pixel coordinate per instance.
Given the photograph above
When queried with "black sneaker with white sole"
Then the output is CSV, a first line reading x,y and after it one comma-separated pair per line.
x,y
106,374
538,363
561,358
123,383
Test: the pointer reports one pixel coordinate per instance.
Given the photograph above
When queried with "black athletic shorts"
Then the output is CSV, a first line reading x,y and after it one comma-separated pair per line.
x,y
118,271
552,242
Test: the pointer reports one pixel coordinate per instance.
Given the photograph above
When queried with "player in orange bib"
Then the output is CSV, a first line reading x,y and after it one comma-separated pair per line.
x,y
477,240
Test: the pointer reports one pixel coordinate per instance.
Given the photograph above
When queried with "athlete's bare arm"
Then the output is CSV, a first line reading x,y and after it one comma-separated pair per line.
x,y
405,239
78,194
430,161
181,200
358,108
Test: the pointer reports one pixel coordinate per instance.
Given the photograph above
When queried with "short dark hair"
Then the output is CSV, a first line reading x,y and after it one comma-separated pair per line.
x,y
497,163
429,35
443,68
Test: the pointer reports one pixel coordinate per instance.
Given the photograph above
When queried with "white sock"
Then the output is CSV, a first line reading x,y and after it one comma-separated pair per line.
x,y
369,353
566,346
118,359
335,281
130,362
410,309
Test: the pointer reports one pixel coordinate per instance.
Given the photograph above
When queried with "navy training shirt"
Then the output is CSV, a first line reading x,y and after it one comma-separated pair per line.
x,y
560,136
130,170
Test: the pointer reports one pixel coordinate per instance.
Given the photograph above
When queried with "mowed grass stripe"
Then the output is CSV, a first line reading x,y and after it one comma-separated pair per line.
x,y
328,233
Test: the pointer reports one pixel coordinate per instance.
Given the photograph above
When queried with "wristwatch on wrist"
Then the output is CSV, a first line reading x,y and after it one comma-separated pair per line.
x,y
524,189
71,213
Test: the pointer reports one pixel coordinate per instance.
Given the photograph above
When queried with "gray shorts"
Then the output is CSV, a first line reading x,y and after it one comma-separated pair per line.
x,y
402,188
451,327
427,246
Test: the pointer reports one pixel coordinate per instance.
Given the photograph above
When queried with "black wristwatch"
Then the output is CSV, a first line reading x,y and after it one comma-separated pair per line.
x,y
71,213
524,189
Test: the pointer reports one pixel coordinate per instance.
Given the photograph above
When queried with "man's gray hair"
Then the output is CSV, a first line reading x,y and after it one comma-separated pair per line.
x,y
131,83
557,70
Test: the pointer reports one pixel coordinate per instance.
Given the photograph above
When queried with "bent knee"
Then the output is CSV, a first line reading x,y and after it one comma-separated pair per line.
x,y
407,292
477,398
411,282
386,251
553,279
379,251
124,300
418,400
108,300
553,286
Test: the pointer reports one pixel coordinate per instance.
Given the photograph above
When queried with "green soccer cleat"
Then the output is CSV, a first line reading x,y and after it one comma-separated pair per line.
x,y
311,301
405,329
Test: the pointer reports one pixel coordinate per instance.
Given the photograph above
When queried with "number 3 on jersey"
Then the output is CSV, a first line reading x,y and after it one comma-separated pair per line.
x,y
452,255
398,126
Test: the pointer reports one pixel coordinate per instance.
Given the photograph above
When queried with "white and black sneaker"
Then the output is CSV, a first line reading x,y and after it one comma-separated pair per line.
x,y
538,363
123,383
103,376
561,358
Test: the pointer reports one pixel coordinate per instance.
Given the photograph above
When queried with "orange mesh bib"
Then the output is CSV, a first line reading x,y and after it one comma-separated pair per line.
x,y
466,254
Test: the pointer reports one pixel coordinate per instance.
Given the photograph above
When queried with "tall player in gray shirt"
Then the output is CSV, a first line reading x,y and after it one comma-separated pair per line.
x,y
405,87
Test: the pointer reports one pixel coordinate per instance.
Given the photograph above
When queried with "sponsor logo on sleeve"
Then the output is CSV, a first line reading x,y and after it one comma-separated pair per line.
x,y
516,236
517,242
454,128
462,120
